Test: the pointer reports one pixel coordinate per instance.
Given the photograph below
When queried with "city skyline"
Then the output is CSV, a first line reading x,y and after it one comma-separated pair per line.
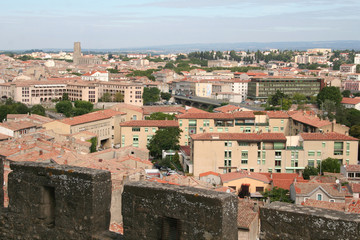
x,y
113,24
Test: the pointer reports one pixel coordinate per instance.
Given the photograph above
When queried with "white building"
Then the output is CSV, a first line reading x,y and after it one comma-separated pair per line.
x,y
96,75
240,87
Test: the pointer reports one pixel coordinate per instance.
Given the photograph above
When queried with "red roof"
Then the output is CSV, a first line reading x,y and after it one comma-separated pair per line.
x,y
324,204
209,173
186,150
227,108
91,117
205,116
254,137
227,177
309,120
352,101
331,136
277,114
353,168
150,123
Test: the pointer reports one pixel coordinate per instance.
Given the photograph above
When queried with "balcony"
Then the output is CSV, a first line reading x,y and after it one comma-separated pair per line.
x,y
243,124
262,124
295,148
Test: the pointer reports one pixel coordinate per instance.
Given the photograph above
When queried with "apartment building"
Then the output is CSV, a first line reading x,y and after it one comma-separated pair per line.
x,y
268,152
138,133
262,88
240,87
132,92
82,90
348,68
105,124
351,103
33,92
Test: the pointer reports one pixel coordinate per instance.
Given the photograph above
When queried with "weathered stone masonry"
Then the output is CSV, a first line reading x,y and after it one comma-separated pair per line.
x,y
50,201
296,222
157,211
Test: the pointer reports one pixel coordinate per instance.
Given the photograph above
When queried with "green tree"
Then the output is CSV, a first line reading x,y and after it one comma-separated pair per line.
x,y
346,93
276,98
4,111
329,165
169,65
329,93
299,98
164,139
355,131
309,171
93,142
277,194
84,104
151,95
353,116
165,96
106,97
118,97
64,107
20,108
65,97
160,116
38,109
79,111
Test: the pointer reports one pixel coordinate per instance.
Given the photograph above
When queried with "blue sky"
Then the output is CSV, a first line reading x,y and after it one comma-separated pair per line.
x,y
26,24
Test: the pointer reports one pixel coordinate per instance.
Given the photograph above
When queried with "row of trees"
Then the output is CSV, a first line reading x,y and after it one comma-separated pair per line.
x,y
107,97
80,107
12,107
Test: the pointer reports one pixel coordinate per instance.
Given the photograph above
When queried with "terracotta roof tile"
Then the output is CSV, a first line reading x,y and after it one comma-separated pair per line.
x,y
332,136
253,137
277,114
164,109
227,177
150,123
226,108
352,101
310,120
15,126
205,116
323,204
353,168
209,173
91,117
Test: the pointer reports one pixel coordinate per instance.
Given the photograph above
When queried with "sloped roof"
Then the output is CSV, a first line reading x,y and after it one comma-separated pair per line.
x,y
150,123
227,177
15,126
324,204
304,188
251,137
352,101
209,173
91,117
310,120
332,136
226,108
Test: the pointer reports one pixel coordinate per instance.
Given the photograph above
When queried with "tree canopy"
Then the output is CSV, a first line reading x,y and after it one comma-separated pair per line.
x,y
64,107
84,104
164,139
278,194
309,171
329,93
160,116
12,107
151,95
330,165
165,96
38,109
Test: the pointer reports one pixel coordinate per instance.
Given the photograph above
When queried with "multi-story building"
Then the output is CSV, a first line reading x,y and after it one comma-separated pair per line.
x,y
139,133
262,88
132,92
81,90
240,87
352,85
104,123
357,59
268,152
33,92
351,103
348,68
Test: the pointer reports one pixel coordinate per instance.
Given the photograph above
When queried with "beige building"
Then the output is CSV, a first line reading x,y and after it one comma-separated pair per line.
x,y
139,133
132,92
105,124
82,90
268,152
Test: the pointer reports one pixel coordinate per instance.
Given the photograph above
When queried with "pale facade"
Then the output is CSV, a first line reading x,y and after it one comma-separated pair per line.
x,y
84,91
132,92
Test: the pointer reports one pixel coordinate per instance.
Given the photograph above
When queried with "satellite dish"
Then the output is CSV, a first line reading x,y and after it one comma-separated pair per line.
x,y
228,190
337,181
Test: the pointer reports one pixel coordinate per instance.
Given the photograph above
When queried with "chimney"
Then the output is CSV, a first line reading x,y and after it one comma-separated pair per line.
x,y
40,152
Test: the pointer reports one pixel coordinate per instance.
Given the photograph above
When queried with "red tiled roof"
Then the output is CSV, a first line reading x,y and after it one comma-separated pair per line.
x,y
226,108
355,187
150,123
309,120
4,137
324,204
332,136
193,110
244,114
277,114
246,213
283,180
227,177
209,173
91,117
352,101
164,109
305,188
240,136
205,116
15,126
353,168
186,150
354,206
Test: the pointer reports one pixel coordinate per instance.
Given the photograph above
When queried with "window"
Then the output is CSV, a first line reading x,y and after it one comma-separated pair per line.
x,y
219,129
244,157
180,123
146,129
243,144
123,140
153,130
211,129
277,154
148,138
332,200
282,121
275,129
347,146
338,148
192,123
311,163
206,123
248,129
259,189
351,175
228,144
323,144
311,153
319,197
318,153
135,140
136,129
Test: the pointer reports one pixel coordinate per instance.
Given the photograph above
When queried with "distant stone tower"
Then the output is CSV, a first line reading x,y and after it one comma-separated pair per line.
x,y
77,52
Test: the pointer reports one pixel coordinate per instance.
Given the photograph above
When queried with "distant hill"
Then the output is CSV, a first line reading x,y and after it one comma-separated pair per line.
x,y
335,45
